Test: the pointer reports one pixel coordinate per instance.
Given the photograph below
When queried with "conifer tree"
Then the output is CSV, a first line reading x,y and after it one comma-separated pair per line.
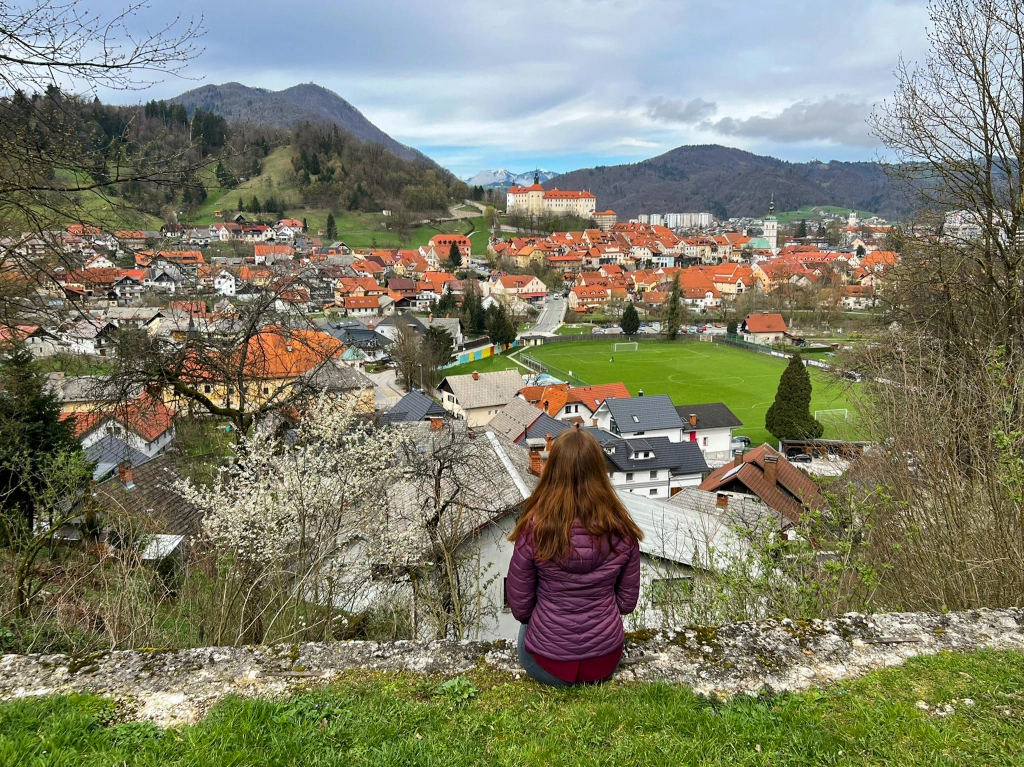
x,y
455,256
801,230
790,417
675,312
630,322
332,228
472,308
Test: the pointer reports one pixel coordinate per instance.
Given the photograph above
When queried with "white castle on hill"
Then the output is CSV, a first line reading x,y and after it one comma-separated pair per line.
x,y
537,201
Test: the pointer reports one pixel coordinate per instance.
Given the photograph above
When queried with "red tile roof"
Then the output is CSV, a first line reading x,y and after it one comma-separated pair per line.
x,y
766,323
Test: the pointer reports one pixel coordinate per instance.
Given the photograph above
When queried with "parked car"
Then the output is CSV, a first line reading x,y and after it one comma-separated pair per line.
x,y
742,440
800,458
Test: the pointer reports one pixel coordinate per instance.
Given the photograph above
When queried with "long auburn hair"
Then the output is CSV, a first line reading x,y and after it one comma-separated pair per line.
x,y
572,486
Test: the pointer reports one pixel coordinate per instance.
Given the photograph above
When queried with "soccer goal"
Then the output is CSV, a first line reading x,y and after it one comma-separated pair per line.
x,y
626,346
832,416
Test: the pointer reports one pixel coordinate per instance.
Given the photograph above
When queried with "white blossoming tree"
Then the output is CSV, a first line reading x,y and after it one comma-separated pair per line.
x,y
287,526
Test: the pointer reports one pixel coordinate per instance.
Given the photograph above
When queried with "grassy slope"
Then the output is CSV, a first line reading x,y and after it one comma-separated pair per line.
x,y
357,230
810,212
692,373
407,720
488,365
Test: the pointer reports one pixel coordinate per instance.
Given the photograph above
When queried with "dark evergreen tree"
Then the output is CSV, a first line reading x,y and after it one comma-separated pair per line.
x,y
31,433
630,322
455,256
675,312
254,206
448,305
790,416
731,327
473,317
332,228
305,226
801,231
501,327
225,177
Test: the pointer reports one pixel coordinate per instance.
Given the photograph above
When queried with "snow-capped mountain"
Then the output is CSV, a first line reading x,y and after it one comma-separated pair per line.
x,y
504,178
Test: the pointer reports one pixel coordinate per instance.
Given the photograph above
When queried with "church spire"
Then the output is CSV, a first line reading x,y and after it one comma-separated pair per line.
x,y
771,206
536,176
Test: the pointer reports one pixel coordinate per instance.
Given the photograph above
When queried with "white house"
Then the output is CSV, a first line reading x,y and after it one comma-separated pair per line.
x,y
478,397
226,284
653,466
640,416
145,424
710,428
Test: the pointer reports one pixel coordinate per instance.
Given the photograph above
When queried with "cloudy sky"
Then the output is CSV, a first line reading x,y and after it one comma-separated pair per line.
x,y
564,84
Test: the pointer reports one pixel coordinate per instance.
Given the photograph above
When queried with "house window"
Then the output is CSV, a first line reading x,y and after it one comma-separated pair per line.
x,y
568,409
266,390
504,595
638,433
653,491
629,476
705,442
654,475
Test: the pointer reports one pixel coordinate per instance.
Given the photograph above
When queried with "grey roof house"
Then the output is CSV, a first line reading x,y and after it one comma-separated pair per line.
x,y
479,397
640,417
414,406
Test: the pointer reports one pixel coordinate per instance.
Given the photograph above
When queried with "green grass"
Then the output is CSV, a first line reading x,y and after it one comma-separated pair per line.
x,y
406,720
355,229
487,365
695,373
810,212
575,329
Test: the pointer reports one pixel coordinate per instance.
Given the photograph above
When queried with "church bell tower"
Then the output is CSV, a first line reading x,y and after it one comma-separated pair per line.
x,y
771,227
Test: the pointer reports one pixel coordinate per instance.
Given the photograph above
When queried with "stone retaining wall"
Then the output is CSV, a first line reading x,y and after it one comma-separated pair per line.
x,y
178,686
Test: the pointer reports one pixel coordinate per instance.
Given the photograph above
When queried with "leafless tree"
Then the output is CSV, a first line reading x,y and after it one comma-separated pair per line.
x,y
942,499
46,174
240,368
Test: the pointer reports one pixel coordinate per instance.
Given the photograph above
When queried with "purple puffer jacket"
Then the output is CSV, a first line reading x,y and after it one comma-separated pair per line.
x,y
573,607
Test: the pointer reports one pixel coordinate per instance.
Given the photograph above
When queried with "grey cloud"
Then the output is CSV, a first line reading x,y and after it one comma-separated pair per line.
x,y
832,119
675,111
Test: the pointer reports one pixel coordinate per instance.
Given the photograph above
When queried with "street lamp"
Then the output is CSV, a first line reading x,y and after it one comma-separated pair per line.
x,y
421,376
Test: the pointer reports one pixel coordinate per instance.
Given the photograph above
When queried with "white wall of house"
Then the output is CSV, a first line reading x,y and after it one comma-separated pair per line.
x,y
714,443
117,429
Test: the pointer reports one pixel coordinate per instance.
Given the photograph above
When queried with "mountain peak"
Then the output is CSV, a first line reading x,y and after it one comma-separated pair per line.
x,y
305,102
502,178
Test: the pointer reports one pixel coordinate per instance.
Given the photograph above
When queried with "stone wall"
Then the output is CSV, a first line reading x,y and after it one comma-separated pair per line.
x,y
178,686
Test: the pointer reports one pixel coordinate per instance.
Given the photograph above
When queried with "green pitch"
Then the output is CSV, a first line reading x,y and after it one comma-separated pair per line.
x,y
695,373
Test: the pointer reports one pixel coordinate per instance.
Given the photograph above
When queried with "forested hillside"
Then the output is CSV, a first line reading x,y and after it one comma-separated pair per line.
x,y
730,182
182,160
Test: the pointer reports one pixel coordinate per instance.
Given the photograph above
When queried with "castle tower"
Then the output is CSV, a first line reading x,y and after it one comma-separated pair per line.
x,y
771,227
852,221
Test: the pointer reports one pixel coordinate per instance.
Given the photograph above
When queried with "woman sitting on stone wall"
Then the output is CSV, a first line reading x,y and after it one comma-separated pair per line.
x,y
575,569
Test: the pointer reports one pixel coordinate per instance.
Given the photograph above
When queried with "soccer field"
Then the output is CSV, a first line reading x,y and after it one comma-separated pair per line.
x,y
695,373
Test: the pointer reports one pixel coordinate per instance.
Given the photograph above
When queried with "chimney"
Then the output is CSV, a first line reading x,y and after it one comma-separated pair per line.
x,y
536,463
722,501
693,419
436,424
126,473
737,458
547,443
771,469
476,376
